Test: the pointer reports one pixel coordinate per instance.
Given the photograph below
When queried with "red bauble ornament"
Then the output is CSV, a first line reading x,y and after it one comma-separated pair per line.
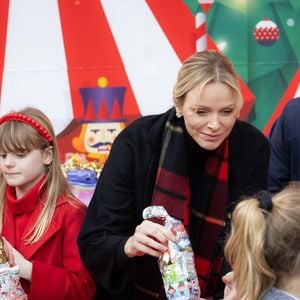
x,y
266,32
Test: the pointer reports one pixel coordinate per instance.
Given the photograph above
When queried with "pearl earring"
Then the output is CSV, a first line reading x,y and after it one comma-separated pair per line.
x,y
178,114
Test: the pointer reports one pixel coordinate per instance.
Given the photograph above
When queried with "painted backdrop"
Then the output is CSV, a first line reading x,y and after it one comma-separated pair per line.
x,y
93,66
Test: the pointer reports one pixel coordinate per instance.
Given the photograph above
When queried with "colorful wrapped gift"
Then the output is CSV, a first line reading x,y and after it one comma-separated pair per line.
x,y
177,265
10,287
82,175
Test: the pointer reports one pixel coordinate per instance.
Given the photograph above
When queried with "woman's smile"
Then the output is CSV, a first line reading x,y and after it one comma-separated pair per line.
x,y
211,137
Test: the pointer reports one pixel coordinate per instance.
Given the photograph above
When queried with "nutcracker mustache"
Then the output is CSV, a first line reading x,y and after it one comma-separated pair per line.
x,y
100,144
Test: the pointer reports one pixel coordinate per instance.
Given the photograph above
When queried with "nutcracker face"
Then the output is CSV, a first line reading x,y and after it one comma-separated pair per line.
x,y
100,136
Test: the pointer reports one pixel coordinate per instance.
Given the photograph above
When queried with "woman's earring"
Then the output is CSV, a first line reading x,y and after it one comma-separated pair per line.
x,y
178,114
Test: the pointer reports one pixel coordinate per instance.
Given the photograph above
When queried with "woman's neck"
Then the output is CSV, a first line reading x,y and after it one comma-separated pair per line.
x,y
291,285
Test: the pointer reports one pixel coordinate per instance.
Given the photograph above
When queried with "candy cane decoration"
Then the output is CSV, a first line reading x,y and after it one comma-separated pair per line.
x,y
201,38
201,33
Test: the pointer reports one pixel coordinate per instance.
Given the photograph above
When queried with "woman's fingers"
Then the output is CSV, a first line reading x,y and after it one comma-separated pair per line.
x,y
155,231
139,248
149,238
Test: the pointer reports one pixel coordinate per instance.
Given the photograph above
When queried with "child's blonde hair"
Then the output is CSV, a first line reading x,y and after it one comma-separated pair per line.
x,y
264,245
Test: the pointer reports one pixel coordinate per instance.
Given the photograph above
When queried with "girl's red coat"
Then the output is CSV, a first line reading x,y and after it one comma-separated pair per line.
x,y
58,272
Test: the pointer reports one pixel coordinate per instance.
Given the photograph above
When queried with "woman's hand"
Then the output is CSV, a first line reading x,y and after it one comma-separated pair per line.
x,y
16,258
149,238
230,286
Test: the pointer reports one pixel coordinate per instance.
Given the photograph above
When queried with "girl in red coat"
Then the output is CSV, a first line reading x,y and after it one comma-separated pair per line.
x,y
39,217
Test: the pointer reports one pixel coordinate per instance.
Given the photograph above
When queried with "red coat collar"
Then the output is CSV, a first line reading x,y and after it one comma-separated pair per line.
x,y
29,202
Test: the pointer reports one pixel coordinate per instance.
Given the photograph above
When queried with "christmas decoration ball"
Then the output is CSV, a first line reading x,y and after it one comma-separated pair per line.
x,y
266,32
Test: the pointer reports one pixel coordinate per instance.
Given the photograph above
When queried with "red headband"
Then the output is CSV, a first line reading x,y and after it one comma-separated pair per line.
x,y
37,126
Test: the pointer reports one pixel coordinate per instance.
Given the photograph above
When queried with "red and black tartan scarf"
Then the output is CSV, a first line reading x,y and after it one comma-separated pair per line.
x,y
172,190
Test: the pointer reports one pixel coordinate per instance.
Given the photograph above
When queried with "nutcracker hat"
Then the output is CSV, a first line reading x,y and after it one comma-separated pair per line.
x,y
103,104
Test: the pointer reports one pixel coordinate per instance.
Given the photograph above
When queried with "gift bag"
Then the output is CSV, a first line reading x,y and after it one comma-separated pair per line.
x,y
10,286
177,265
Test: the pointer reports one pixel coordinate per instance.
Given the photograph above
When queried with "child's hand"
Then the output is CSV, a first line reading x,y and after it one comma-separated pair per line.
x,y
9,252
230,287
16,258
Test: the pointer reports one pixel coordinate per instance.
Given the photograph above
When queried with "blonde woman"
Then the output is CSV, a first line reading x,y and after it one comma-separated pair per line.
x,y
196,160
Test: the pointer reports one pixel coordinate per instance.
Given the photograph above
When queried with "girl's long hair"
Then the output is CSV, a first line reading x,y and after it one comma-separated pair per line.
x,y
17,136
264,246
